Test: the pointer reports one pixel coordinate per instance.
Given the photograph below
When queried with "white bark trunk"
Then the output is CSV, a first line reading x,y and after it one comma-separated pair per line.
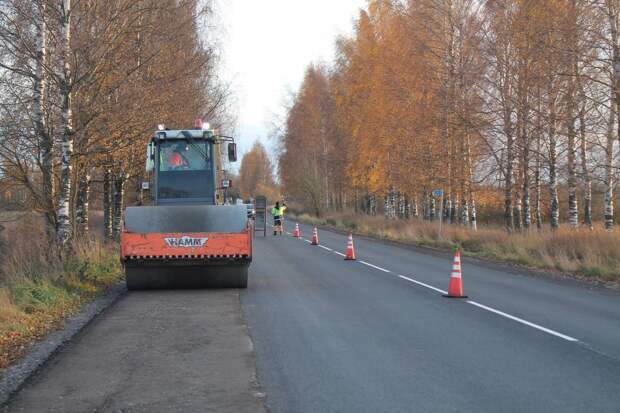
x,y
108,207
82,206
612,10
118,200
553,179
40,124
609,174
64,217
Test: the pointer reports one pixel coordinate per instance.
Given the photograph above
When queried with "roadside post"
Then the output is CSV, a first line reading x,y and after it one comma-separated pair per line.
x,y
438,193
260,222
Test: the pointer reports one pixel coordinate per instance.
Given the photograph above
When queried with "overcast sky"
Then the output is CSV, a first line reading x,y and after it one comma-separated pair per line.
x,y
267,45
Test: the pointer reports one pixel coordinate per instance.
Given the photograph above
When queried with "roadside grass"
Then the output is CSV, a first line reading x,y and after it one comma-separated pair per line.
x,y
40,287
592,254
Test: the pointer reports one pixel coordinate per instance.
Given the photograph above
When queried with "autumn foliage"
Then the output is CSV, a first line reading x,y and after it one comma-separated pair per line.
x,y
256,175
506,100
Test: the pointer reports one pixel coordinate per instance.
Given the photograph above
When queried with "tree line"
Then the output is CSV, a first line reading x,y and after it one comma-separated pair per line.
x,y
517,98
82,86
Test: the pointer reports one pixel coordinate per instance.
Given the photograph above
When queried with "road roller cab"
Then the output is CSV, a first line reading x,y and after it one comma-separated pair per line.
x,y
187,239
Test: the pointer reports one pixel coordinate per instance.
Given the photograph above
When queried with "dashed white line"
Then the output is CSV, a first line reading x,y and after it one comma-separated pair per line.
x,y
374,266
474,303
522,321
422,284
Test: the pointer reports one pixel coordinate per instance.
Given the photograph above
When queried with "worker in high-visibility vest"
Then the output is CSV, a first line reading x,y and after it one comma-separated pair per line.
x,y
278,216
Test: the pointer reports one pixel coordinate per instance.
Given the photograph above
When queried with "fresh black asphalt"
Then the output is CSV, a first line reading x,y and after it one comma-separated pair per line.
x,y
336,336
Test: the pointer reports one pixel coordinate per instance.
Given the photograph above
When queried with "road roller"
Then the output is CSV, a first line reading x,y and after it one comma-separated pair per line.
x,y
189,237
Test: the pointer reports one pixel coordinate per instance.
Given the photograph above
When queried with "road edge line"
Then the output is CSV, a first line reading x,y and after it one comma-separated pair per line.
x,y
374,266
522,321
422,284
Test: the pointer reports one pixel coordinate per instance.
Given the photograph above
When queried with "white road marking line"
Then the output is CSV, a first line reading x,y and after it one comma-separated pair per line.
x,y
527,323
374,266
423,284
308,241
484,307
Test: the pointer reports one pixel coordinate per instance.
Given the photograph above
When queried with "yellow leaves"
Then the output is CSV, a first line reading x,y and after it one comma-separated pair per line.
x,y
255,175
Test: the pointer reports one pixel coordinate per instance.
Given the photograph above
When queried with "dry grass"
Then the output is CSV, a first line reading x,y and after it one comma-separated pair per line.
x,y
40,287
581,252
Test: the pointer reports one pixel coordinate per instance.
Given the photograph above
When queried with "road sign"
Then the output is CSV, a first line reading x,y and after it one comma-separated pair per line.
x,y
438,193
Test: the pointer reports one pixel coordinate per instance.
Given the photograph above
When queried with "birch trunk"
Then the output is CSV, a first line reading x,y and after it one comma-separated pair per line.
x,y
508,214
454,211
474,213
470,180
609,173
587,180
414,207
517,207
63,232
118,201
453,202
108,208
518,213
82,206
538,190
527,214
538,163
573,211
612,14
571,114
464,210
553,179
40,124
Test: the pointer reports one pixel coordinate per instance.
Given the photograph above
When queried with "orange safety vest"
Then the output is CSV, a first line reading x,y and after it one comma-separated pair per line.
x,y
175,160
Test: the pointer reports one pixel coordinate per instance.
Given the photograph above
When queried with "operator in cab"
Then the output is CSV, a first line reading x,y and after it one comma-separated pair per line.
x,y
177,159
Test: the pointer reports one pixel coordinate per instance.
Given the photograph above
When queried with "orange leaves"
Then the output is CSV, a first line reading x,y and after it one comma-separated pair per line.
x,y
256,175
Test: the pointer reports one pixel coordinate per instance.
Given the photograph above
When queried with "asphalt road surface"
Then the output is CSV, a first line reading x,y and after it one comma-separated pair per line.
x,y
159,351
374,335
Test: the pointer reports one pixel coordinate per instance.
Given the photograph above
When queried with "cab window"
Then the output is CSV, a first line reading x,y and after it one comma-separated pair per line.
x,y
183,156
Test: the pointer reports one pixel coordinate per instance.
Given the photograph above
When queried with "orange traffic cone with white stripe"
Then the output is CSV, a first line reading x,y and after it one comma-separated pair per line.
x,y
297,232
350,255
455,289
315,236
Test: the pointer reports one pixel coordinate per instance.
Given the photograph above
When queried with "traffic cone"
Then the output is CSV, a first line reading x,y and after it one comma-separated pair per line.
x,y
315,236
455,289
350,256
297,232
